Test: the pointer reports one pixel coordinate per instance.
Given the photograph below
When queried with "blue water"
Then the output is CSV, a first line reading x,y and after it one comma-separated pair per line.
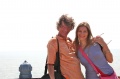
x,y
10,62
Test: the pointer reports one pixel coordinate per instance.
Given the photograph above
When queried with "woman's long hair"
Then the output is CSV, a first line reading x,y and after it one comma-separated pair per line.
x,y
89,37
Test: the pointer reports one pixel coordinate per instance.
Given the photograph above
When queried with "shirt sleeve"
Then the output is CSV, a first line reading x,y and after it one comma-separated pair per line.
x,y
51,49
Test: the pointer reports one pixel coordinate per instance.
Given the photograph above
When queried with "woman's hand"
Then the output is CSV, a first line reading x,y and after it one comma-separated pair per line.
x,y
99,40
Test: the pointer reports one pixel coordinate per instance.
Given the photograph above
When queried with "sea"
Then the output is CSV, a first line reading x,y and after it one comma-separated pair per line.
x,y
11,61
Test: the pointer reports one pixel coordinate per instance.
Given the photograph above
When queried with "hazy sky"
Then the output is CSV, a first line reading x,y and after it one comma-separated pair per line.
x,y
27,25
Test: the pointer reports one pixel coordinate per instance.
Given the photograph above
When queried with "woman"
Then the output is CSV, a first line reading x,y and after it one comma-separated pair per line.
x,y
92,47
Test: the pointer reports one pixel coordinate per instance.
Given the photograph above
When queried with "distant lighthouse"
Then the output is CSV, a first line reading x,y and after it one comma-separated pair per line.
x,y
25,70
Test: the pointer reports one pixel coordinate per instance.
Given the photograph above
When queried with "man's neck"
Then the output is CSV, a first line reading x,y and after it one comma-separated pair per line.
x,y
62,36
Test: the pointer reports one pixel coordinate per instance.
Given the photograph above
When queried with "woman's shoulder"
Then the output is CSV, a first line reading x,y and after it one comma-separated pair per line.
x,y
95,46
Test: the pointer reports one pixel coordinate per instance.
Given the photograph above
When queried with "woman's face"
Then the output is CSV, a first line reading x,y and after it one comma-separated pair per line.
x,y
82,33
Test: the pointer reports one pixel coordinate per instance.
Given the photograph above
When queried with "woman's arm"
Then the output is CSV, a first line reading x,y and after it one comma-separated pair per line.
x,y
105,49
107,53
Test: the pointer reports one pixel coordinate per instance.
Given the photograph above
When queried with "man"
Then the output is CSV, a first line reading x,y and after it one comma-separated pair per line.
x,y
69,64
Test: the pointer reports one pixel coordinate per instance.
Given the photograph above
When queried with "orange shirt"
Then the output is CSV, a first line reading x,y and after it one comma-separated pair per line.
x,y
69,64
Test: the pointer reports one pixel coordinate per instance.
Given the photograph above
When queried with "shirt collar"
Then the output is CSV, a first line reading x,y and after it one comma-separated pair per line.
x,y
60,37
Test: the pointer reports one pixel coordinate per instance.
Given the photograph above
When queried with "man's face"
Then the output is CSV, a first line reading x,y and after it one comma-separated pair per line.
x,y
64,30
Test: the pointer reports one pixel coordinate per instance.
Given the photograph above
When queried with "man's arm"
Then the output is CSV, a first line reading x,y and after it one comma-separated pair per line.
x,y
51,71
